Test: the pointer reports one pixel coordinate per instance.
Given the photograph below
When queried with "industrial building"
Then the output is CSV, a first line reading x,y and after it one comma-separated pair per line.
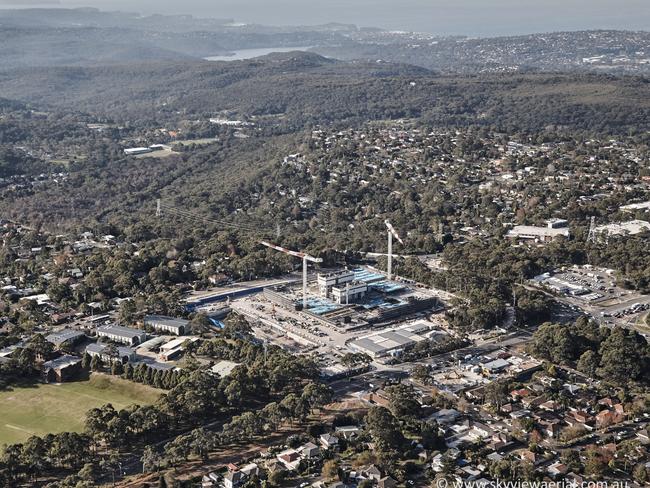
x,y
633,207
134,151
125,335
392,342
555,228
124,354
167,324
631,227
64,337
61,369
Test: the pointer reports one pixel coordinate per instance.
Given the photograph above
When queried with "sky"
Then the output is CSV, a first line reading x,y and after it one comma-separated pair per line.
x,y
464,17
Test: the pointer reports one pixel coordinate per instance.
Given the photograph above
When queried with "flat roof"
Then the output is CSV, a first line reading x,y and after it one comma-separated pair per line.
x,y
390,339
631,227
636,206
524,230
223,368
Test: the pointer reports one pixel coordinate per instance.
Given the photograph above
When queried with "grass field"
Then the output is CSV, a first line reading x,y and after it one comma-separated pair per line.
x,y
40,409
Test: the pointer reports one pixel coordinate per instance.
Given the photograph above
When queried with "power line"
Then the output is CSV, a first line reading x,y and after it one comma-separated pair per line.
x,y
163,208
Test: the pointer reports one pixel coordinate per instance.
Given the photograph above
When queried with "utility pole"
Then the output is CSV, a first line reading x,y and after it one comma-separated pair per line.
x,y
591,237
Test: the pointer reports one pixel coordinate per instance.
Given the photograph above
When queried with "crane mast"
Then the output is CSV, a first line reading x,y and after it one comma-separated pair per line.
x,y
391,232
305,259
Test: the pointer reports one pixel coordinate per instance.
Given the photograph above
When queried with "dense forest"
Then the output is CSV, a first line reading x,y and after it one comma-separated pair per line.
x,y
302,89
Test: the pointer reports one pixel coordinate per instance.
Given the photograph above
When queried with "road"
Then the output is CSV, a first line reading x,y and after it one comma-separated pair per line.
x,y
381,373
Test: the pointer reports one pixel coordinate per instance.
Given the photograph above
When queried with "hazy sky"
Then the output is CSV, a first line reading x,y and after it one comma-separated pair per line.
x,y
469,17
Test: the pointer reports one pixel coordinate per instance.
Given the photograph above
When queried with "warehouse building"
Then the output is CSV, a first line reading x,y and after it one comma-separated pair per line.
x,y
65,337
61,369
167,324
392,342
125,354
125,335
631,227
538,234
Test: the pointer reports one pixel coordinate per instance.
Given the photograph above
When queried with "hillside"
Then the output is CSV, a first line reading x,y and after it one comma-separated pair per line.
x,y
306,89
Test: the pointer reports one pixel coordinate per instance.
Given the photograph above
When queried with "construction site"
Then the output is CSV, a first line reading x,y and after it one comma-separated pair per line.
x,y
324,311
327,312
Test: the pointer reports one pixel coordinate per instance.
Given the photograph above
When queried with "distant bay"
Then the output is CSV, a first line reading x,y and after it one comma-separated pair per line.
x,y
255,53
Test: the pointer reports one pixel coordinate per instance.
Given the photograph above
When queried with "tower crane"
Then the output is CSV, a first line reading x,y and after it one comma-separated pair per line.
x,y
391,232
305,258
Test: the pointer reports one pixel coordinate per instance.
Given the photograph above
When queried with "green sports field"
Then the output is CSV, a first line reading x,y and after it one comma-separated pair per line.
x,y
40,409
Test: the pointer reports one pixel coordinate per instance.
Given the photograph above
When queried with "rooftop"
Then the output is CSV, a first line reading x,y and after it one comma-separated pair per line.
x,y
63,335
118,330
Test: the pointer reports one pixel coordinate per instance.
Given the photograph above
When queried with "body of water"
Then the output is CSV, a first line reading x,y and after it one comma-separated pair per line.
x,y
255,53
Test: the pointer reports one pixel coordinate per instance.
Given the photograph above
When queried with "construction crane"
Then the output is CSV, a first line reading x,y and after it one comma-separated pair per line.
x,y
391,232
305,258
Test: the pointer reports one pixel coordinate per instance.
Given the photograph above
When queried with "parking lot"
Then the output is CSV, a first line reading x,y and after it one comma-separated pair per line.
x,y
595,292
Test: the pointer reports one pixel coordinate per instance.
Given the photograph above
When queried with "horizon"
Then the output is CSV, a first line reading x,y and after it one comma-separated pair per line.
x,y
471,18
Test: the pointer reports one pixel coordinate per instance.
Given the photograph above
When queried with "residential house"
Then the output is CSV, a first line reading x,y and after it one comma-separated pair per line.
x,y
233,479
387,482
309,450
347,432
372,473
557,469
210,480
529,456
329,441
289,458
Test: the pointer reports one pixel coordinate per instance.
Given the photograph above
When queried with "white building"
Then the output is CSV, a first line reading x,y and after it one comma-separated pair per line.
x,y
125,335
350,292
167,324
539,234
631,227
134,151
329,280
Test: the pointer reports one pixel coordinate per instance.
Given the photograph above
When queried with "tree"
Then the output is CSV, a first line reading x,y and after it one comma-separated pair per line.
x,y
403,401
236,325
330,469
496,393
96,363
86,361
624,355
384,429
161,481
421,373
151,459
117,368
595,467
352,359
640,474
588,363
200,323
316,395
